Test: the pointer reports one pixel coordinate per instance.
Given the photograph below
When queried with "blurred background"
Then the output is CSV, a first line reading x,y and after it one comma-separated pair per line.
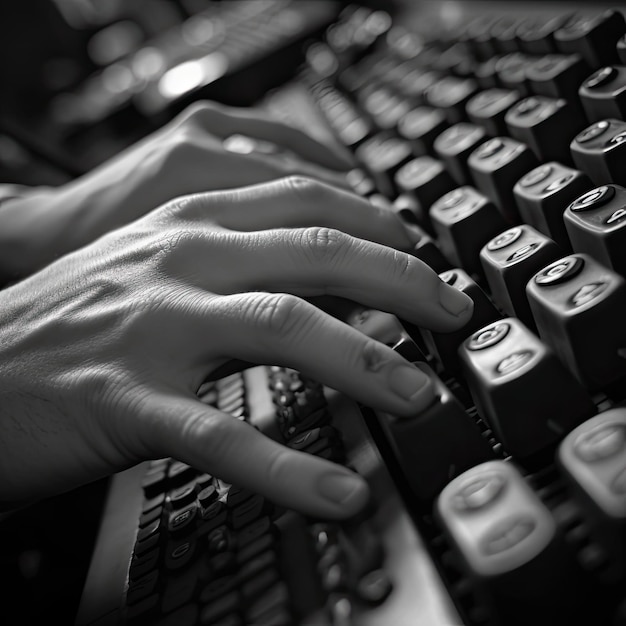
x,y
81,79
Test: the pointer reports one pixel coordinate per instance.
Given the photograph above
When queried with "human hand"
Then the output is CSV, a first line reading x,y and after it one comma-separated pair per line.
x,y
195,152
102,352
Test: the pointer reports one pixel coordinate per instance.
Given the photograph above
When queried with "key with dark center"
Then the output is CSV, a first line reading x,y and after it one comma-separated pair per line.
x,y
594,37
424,179
536,34
558,76
420,127
464,220
450,95
437,444
603,94
454,145
382,156
386,328
444,347
487,108
579,307
496,166
600,151
509,261
424,247
592,459
502,362
511,71
546,125
507,541
543,192
596,224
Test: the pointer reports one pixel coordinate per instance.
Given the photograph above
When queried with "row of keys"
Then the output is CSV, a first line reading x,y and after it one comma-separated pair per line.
x,y
508,540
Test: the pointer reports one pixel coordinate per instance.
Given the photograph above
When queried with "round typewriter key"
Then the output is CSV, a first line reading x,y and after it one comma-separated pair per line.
x,y
601,443
617,140
601,77
591,132
560,271
593,199
451,199
489,148
523,252
527,106
587,293
536,176
555,185
507,534
514,362
489,336
479,492
504,239
616,216
450,277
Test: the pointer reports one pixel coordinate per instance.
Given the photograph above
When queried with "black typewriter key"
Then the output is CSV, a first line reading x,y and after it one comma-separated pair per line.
x,y
386,328
425,180
424,247
488,108
509,261
546,125
476,34
504,34
603,94
450,95
500,375
444,347
600,151
511,70
414,84
486,75
360,182
593,460
579,306
508,540
558,76
420,127
464,220
543,192
594,37
383,105
454,145
496,166
536,34
382,155
596,224
436,444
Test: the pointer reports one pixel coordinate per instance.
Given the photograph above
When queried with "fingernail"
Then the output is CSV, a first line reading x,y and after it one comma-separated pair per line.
x,y
343,488
407,381
453,300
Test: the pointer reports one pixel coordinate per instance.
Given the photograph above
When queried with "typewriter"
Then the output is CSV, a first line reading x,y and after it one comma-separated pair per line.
x,y
498,131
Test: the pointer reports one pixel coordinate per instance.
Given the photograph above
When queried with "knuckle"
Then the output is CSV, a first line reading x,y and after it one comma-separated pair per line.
x,y
403,265
325,245
307,190
277,314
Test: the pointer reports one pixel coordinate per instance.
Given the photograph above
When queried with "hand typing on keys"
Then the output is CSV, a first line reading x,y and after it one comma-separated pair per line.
x,y
206,147
102,351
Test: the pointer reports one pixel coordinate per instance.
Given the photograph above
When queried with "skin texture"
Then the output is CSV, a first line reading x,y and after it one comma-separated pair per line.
x,y
103,350
193,153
